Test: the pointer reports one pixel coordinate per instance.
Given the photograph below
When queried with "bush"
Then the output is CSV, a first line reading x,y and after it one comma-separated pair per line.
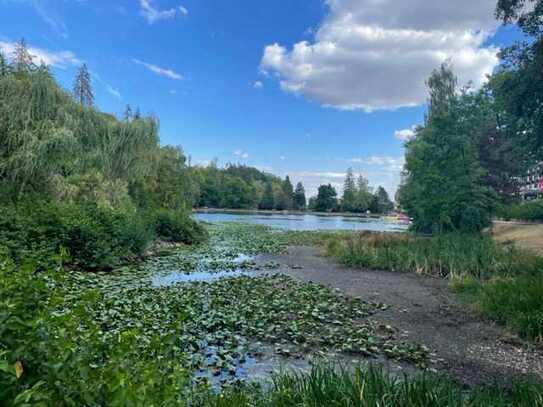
x,y
175,226
95,238
528,211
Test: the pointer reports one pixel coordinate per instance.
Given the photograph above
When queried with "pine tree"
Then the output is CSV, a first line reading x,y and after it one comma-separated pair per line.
x,y
22,59
287,192
267,199
127,116
299,197
82,87
4,66
349,192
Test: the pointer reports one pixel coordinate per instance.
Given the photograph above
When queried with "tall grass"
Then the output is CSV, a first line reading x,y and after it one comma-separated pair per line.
x,y
372,387
441,255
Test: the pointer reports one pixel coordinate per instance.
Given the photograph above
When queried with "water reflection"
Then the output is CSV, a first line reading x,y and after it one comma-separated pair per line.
x,y
190,277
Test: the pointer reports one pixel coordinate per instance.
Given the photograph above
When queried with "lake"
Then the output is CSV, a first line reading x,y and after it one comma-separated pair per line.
x,y
305,222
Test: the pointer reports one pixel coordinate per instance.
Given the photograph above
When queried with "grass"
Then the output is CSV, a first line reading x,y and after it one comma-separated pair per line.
x,y
440,256
504,282
327,386
526,236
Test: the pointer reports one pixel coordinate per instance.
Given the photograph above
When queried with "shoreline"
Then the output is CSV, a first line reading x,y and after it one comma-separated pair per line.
x,y
289,212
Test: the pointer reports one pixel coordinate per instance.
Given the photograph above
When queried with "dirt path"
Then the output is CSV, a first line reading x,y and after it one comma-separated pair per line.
x,y
467,347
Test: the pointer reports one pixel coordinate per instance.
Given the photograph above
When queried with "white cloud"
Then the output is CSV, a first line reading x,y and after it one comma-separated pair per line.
x,y
168,73
258,85
241,154
153,14
114,92
376,54
58,59
405,134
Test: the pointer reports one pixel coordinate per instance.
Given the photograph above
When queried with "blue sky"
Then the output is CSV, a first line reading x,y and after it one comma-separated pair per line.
x,y
300,87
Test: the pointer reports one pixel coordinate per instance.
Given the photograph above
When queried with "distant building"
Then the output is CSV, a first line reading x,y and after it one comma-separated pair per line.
x,y
531,185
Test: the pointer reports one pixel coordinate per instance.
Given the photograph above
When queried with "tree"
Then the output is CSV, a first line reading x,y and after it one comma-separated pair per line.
x,y
326,199
518,85
127,115
349,192
444,188
4,66
267,202
22,59
82,87
299,197
285,199
383,202
364,197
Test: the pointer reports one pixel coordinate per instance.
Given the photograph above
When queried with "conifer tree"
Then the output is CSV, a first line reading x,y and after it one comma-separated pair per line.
x,y
4,66
299,197
82,87
22,59
349,192
127,116
267,199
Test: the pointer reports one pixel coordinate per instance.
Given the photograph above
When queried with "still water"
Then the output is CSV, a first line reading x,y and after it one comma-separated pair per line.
x,y
304,222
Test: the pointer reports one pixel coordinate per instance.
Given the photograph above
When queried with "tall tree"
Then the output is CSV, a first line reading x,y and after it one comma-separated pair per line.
x,y
287,191
326,199
267,198
22,59
299,197
349,192
364,197
444,187
4,65
383,202
82,87
127,115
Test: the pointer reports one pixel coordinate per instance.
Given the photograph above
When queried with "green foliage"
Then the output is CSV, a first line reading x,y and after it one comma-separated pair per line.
x,y
299,199
330,386
267,201
444,188
326,199
528,211
95,238
441,255
176,226
517,303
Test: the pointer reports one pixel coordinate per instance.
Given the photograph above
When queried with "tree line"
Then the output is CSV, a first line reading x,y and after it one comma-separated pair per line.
x,y
463,162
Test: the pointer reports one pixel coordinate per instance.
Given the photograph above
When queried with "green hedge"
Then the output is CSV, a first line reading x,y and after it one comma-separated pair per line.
x,y
529,211
175,226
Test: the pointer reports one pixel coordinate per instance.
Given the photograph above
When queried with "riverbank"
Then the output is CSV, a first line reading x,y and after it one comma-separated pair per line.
x,y
524,234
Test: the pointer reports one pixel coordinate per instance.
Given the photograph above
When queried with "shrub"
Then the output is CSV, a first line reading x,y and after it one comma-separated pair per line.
x,y
95,238
175,226
528,211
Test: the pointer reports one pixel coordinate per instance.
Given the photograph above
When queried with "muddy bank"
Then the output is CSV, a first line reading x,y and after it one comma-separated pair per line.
x,y
467,347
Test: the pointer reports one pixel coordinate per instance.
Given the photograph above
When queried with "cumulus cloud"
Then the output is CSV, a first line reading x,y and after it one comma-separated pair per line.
x,y
168,73
241,154
376,54
405,134
153,14
58,59
258,85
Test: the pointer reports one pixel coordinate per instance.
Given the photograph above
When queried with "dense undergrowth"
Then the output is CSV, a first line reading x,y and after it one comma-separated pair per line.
x,y
93,237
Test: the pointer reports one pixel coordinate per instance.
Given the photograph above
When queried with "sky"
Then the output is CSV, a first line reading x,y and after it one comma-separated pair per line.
x,y
306,88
